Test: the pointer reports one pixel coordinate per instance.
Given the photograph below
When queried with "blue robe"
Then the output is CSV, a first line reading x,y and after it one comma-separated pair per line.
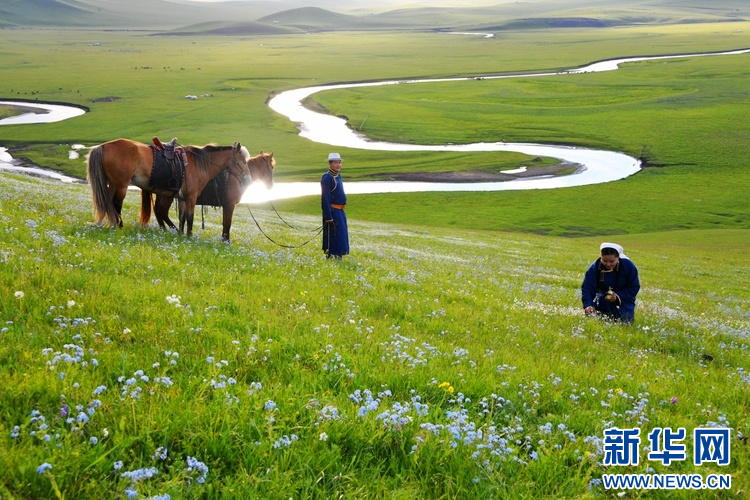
x,y
335,234
623,280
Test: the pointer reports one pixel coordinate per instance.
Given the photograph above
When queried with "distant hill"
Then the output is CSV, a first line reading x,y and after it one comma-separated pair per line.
x,y
231,28
130,14
247,17
318,19
44,12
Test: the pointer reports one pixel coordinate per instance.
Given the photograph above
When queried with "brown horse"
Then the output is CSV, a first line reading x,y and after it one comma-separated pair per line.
x,y
223,191
115,165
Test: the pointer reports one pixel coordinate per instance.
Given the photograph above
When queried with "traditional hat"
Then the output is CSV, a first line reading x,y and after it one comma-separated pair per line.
x,y
614,246
334,157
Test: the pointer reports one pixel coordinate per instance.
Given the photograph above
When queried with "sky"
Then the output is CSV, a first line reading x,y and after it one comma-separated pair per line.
x,y
389,2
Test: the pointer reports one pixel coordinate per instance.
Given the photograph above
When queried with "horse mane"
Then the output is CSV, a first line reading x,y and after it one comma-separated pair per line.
x,y
201,154
210,147
263,154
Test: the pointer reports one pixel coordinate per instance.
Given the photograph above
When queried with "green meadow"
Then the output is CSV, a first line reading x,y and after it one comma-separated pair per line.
x,y
685,116
429,364
448,356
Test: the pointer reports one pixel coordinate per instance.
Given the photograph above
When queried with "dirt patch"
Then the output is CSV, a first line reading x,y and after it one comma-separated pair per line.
x,y
575,22
562,168
315,106
21,109
106,99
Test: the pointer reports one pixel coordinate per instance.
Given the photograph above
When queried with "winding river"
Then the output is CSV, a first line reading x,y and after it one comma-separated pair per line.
x,y
48,113
598,165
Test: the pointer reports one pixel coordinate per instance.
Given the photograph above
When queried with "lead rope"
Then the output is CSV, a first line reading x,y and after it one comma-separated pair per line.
x,y
318,231
280,217
328,239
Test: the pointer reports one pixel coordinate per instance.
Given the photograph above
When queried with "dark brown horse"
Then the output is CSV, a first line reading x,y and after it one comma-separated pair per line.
x,y
115,165
223,191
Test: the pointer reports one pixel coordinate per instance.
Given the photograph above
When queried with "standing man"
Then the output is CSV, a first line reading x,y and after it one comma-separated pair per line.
x,y
333,202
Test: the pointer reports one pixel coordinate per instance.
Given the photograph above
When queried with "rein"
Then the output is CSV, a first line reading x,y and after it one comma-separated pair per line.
x,y
281,218
318,230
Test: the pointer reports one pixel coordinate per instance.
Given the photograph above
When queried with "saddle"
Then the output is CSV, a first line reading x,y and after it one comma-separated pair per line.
x,y
215,192
168,169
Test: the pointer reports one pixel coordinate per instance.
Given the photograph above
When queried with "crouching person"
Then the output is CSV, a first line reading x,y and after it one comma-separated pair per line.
x,y
610,285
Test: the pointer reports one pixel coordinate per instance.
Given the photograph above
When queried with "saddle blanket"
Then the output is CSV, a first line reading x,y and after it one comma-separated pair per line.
x,y
167,174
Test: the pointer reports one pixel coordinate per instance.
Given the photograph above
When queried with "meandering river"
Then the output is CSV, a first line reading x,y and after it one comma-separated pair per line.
x,y
48,113
598,165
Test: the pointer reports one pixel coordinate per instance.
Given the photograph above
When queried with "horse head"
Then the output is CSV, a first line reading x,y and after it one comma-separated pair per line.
x,y
239,167
261,168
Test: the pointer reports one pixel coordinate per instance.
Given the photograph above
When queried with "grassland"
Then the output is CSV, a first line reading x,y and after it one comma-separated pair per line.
x,y
430,364
447,357
626,110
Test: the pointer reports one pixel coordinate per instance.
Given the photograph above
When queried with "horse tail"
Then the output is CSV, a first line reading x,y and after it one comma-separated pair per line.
x,y
147,204
102,200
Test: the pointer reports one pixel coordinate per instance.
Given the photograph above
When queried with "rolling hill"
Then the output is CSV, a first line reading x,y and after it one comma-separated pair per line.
x,y
289,16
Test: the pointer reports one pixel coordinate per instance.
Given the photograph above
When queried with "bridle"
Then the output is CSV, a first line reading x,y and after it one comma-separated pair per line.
x,y
241,172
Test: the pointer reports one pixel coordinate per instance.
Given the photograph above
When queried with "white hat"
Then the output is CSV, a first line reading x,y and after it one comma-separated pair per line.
x,y
614,246
334,156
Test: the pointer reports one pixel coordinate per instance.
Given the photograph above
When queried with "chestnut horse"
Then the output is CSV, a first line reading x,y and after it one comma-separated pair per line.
x,y
223,191
115,165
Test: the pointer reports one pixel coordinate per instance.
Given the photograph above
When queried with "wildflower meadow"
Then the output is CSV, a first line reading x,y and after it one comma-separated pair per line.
x,y
139,363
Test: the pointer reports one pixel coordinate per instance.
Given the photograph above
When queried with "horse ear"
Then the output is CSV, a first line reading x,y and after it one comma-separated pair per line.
x,y
236,145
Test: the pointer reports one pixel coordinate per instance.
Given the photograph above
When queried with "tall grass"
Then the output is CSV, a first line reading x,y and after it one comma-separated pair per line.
x,y
428,364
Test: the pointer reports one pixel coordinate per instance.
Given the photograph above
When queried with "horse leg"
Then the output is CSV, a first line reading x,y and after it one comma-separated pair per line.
x,y
228,211
161,211
165,214
159,203
187,213
181,212
186,216
118,196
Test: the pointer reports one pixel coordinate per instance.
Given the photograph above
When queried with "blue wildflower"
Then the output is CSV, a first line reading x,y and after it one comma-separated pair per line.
x,y
43,468
161,452
195,465
140,474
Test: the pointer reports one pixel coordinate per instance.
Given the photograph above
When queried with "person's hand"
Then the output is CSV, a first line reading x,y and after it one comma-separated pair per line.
x,y
589,310
329,221
611,297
